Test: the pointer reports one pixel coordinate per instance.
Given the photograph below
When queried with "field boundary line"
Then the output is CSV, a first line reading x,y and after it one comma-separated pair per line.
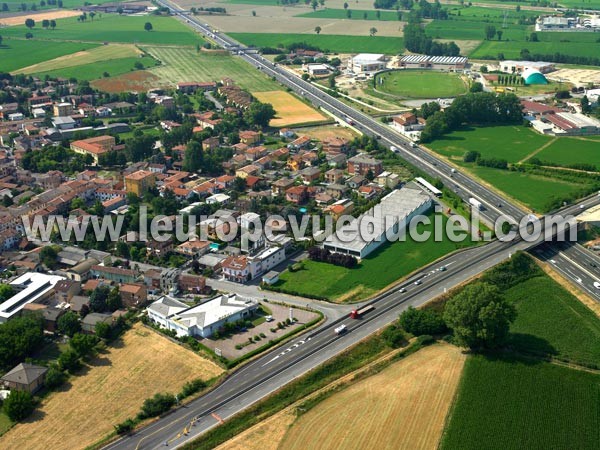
x,y
535,152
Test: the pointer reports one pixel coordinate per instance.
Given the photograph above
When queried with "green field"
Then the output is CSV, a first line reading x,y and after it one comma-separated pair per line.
x,y
383,267
16,54
96,70
504,403
329,43
5,422
551,321
568,151
511,143
420,84
67,4
184,64
112,28
356,15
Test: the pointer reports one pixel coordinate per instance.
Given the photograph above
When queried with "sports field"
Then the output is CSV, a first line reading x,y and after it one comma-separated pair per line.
x,y
101,53
420,84
112,28
386,265
326,42
109,391
16,54
404,406
505,403
185,64
290,110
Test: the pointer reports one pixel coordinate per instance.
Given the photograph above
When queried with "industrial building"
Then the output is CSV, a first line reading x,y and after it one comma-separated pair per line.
x,y
433,62
390,216
566,124
203,319
511,66
367,62
31,288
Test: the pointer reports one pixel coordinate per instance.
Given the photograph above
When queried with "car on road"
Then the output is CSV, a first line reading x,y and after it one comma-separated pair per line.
x,y
341,329
269,318
402,290
418,282
596,285
443,269
394,148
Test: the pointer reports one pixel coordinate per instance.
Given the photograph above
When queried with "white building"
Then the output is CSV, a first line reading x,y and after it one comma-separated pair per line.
x,y
201,320
390,216
31,288
218,198
367,62
15,116
242,268
317,69
593,95
510,66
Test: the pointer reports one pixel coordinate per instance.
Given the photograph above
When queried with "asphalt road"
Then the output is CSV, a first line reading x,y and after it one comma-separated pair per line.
x,y
276,368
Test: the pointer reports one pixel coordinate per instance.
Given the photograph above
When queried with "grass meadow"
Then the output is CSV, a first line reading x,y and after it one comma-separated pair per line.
x,y
356,15
420,84
16,53
386,265
330,43
112,28
568,151
512,404
97,69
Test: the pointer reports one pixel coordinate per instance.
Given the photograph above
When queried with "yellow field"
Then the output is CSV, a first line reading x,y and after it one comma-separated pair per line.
x,y
290,111
102,53
402,407
113,389
38,17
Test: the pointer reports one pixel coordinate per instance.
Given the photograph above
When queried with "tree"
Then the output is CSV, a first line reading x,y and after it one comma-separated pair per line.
x,y
6,292
114,302
476,87
194,157
490,32
83,344
479,316
92,15
345,5
259,114
30,23
49,256
378,15
317,29
69,324
314,4
422,321
98,298
69,360
53,24
586,108
156,405
103,330
349,14
499,34
148,26
54,377
18,405
253,13
119,10
533,37
372,31
45,24
518,8
19,338
4,7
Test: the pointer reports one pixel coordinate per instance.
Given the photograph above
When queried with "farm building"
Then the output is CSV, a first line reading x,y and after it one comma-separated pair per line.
x,y
433,62
367,62
521,66
387,219
201,320
554,23
532,76
317,69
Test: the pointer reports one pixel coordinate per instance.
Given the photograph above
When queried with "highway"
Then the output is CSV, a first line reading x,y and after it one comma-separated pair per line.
x,y
278,367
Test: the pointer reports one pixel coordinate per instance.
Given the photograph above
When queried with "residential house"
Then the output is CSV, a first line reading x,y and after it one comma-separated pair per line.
x,y
363,164
25,377
334,176
89,322
193,248
296,194
279,187
188,282
139,182
310,174
133,295
250,137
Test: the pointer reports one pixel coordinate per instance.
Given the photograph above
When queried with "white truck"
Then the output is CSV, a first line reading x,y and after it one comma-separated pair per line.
x,y
475,203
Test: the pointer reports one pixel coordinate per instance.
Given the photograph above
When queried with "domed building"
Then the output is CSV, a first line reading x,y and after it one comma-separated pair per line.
x,y
532,76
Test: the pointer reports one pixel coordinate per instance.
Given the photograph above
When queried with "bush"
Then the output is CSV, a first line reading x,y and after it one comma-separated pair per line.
x,y
69,360
125,427
262,335
422,321
393,336
191,387
18,405
156,405
54,377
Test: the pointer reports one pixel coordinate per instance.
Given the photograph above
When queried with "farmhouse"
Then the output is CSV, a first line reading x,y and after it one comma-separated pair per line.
x,y
433,62
387,219
201,320
31,288
367,62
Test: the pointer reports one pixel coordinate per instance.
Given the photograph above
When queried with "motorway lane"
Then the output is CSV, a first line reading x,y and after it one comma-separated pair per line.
x,y
279,366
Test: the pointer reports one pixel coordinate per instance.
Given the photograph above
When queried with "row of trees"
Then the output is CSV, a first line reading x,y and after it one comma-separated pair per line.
x,y
511,80
415,40
479,108
558,57
30,23
338,259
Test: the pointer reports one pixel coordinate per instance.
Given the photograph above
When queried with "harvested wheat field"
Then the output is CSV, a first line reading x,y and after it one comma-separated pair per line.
x,y
327,132
101,53
290,111
38,16
109,391
402,407
138,81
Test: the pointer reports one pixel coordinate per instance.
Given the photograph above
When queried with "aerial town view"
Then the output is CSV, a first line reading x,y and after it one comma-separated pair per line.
x,y
285,224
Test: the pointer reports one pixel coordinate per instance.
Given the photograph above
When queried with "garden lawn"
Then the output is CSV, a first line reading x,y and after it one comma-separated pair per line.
x,y
505,403
551,321
569,151
356,14
420,84
511,143
96,70
386,265
184,64
16,54
112,28
328,43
